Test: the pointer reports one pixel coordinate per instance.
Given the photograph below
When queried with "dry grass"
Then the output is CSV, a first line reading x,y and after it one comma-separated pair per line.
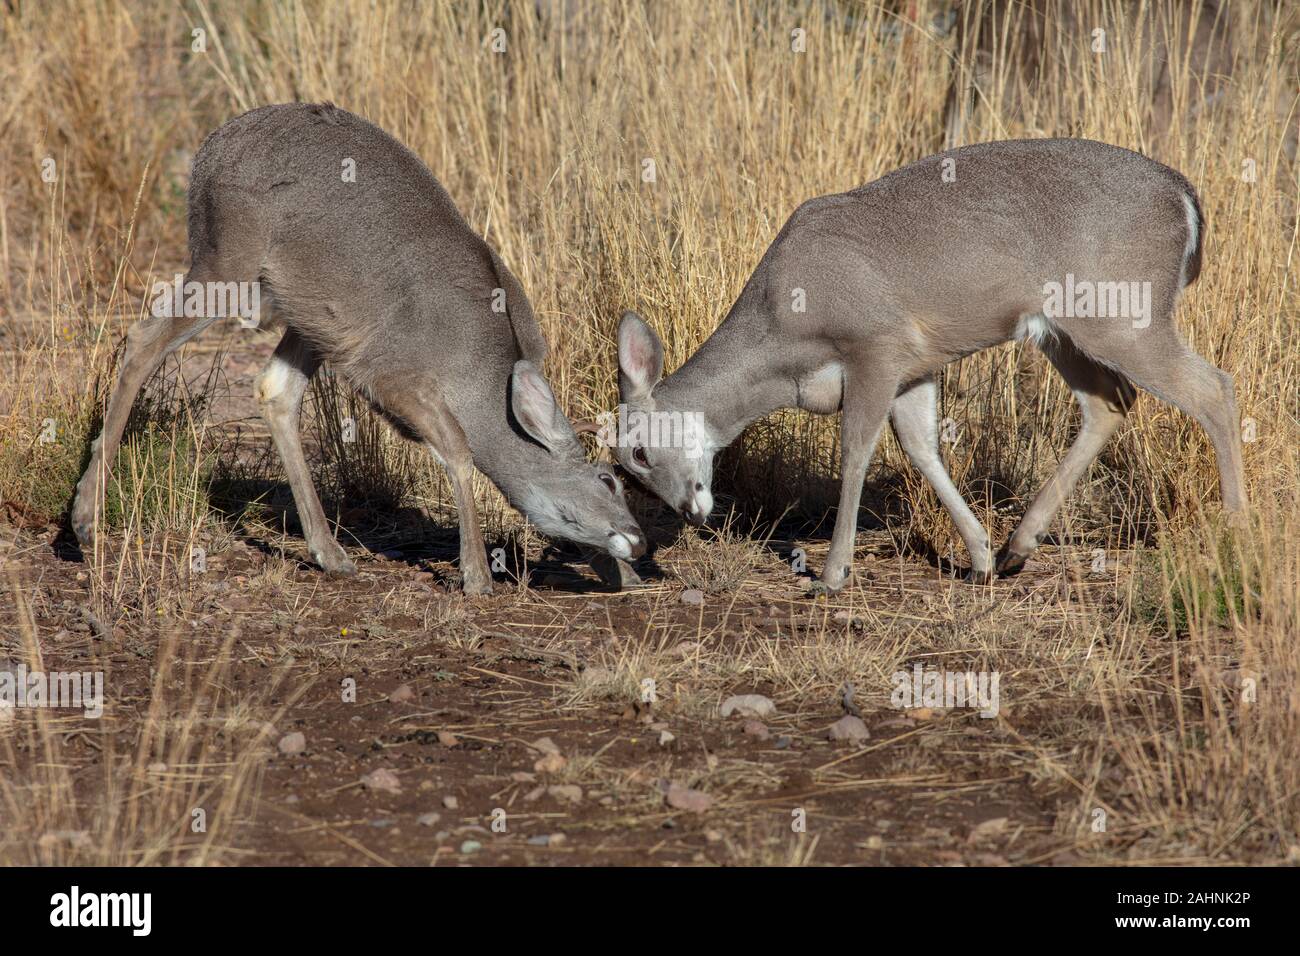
x,y
1168,699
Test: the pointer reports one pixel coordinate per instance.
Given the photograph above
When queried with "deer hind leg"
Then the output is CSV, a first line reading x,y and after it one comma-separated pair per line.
x,y
1104,399
1189,382
432,422
280,388
915,414
148,342
1164,366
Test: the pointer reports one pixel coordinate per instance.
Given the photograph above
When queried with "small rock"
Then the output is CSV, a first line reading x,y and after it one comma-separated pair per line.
x,y
920,713
450,802
534,794
428,819
693,596
784,741
401,694
546,745
547,839
551,763
747,705
382,779
848,727
756,728
989,829
157,767
471,846
523,776
685,798
448,739
665,738
570,793
294,743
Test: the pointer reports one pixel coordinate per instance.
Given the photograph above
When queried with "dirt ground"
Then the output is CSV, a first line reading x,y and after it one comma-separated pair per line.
x,y
562,722
497,673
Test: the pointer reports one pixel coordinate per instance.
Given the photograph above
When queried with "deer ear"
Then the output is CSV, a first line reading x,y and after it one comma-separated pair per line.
x,y
640,357
535,408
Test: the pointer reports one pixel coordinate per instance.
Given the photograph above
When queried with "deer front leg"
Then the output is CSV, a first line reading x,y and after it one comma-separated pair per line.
x,y
280,390
433,421
915,414
868,392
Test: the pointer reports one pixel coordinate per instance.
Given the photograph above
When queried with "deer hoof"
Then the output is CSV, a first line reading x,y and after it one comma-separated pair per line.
x,y
1010,563
474,584
335,562
820,588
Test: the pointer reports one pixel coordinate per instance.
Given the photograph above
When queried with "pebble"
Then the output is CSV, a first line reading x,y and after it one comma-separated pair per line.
x,y
547,839
747,705
848,727
693,596
294,743
382,779
685,798
551,763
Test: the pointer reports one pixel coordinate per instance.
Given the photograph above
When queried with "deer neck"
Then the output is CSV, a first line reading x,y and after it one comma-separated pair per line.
x,y
735,378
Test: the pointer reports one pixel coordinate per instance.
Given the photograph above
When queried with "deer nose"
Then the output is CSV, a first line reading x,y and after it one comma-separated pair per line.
x,y
626,544
637,542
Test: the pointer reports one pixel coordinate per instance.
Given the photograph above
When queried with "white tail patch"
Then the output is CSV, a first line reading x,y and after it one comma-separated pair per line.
x,y
1193,236
1034,328
274,379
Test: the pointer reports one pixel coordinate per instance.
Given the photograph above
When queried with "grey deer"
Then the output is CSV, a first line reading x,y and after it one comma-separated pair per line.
x,y
377,273
954,253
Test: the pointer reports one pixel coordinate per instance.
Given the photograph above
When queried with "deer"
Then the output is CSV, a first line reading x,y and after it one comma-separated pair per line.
x,y
369,265
864,296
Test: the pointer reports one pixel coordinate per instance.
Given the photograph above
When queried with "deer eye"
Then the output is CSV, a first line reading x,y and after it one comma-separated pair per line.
x,y
610,482
639,456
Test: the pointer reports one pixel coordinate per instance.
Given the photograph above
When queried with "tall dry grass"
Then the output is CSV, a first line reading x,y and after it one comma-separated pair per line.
x,y
546,147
